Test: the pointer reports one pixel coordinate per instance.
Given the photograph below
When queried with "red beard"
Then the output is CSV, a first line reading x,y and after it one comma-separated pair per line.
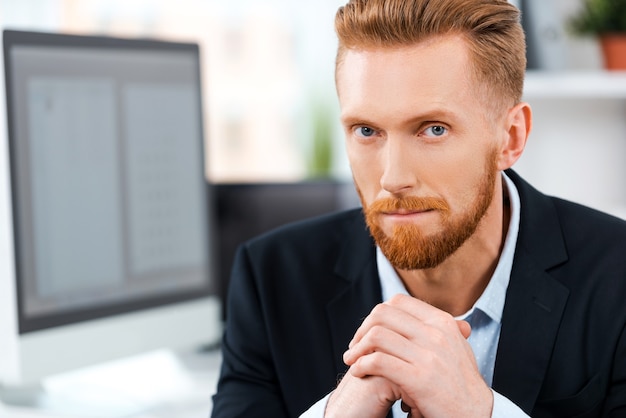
x,y
408,248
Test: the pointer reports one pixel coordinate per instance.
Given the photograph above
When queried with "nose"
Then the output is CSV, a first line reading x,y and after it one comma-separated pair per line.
x,y
399,167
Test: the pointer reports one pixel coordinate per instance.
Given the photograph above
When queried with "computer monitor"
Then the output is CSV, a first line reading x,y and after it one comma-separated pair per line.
x,y
105,226
245,210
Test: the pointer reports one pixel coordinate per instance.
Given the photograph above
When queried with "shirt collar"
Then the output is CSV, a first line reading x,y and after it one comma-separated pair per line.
x,y
491,302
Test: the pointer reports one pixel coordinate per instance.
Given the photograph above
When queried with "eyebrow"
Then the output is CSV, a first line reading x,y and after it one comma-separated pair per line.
x,y
431,115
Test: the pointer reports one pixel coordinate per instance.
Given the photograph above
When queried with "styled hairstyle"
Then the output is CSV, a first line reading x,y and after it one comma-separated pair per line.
x,y
491,29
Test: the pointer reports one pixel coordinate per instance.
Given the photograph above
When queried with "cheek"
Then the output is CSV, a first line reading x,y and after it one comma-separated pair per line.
x,y
457,176
366,173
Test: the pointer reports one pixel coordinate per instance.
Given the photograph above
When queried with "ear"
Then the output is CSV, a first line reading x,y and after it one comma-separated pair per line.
x,y
518,126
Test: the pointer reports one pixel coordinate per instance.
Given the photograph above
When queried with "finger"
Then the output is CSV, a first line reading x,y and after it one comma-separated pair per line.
x,y
400,313
430,315
418,308
388,316
410,408
371,396
381,364
384,340
465,328
405,407
407,316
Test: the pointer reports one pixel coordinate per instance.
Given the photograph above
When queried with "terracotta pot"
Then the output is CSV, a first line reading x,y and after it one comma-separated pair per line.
x,y
614,50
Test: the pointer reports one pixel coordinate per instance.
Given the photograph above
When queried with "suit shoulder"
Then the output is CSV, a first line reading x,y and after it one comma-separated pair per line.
x,y
595,242
586,219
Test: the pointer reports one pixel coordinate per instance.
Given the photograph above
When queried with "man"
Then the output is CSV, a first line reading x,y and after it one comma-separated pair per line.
x,y
458,290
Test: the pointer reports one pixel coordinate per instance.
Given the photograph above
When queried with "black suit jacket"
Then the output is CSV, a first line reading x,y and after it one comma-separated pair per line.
x,y
298,294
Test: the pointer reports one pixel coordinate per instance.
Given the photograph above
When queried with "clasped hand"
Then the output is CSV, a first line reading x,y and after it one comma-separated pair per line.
x,y
407,349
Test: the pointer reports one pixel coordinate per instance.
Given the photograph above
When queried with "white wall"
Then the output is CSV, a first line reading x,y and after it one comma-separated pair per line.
x,y
265,60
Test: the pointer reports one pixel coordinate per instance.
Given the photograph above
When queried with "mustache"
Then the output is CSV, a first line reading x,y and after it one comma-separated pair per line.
x,y
410,203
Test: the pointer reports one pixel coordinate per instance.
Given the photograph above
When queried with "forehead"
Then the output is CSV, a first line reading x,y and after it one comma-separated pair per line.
x,y
434,71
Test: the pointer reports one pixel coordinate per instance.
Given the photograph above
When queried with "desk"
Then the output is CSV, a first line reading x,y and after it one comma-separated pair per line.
x,y
160,384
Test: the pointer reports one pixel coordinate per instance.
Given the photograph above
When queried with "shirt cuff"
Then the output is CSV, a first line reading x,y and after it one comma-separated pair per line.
x,y
317,409
504,408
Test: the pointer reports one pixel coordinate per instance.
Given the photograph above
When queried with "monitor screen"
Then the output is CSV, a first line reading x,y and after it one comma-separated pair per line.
x,y
108,192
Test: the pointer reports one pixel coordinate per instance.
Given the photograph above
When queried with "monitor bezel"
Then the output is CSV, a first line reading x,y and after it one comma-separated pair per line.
x,y
20,38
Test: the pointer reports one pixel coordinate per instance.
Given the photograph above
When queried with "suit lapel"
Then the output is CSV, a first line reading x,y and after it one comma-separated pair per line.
x,y
535,301
530,322
358,289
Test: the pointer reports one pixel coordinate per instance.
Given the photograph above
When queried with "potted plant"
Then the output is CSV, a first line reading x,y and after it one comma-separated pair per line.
x,y
605,19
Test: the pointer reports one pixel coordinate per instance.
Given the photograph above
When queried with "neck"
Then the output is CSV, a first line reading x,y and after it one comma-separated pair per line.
x,y
457,283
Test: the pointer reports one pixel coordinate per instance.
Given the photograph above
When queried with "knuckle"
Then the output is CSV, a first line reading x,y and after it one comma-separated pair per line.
x,y
377,335
428,358
372,363
397,300
379,309
450,322
439,339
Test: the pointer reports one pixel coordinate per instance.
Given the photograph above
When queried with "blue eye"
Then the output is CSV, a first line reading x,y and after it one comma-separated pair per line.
x,y
436,130
365,131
